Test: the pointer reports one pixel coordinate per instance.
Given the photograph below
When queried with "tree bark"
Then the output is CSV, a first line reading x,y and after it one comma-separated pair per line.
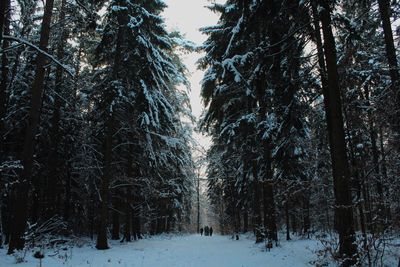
x,y
269,211
324,85
245,220
198,202
116,216
20,212
256,208
4,6
287,221
337,144
375,159
55,137
102,234
109,124
67,203
115,223
4,28
306,216
384,10
128,216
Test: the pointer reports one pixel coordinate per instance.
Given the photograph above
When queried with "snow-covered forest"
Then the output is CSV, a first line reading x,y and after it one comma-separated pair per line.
x,y
98,153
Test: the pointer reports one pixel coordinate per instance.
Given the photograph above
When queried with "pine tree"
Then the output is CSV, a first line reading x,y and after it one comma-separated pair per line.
x,y
20,210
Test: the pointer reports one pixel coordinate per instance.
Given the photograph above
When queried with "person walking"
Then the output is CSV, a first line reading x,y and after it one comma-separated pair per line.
x,y
211,231
206,231
201,231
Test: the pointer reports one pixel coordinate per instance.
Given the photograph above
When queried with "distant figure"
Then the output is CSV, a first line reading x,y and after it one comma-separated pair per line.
x,y
201,231
211,231
206,231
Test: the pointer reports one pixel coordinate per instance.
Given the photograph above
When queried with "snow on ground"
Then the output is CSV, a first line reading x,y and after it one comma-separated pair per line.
x,y
177,251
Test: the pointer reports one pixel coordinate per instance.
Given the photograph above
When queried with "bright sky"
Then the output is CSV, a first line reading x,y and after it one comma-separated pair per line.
x,y
188,16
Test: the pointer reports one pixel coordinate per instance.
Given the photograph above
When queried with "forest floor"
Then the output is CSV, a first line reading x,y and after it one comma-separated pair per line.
x,y
175,251
184,251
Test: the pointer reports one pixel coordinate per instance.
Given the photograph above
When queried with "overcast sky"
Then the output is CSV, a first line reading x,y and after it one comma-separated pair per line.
x,y
188,16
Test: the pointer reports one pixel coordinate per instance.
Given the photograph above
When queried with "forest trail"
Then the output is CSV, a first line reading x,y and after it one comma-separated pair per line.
x,y
179,251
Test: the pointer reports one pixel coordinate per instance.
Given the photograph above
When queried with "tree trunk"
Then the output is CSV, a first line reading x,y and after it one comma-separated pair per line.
x,y
337,144
115,223
375,159
91,218
128,216
269,211
246,220
384,170
115,216
102,234
294,221
361,214
287,219
21,206
135,222
4,27
67,203
256,209
256,204
324,84
4,6
384,9
198,202
306,216
109,125
54,162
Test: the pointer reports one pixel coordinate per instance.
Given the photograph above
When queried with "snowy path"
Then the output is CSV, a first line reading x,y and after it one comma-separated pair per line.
x,y
179,251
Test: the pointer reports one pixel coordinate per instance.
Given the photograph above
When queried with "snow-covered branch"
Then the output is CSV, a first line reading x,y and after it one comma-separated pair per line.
x,y
25,42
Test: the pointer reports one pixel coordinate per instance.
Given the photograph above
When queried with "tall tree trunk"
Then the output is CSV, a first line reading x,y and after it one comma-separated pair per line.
x,y
102,234
245,219
256,208
294,221
136,224
4,28
384,171
337,144
237,221
136,214
198,202
324,84
115,217
128,215
71,173
287,220
67,203
306,215
375,159
115,224
384,10
55,137
221,214
256,204
21,206
109,124
4,6
91,212
361,214
269,211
